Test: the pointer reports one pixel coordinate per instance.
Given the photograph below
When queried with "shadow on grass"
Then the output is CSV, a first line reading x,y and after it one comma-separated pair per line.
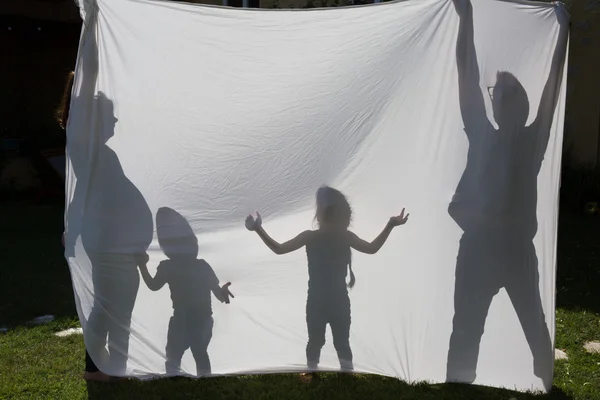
x,y
288,386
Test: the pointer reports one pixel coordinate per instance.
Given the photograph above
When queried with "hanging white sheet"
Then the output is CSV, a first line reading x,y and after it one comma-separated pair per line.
x,y
185,118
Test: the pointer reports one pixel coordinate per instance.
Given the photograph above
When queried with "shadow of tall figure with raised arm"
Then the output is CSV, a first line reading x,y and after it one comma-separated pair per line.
x,y
495,205
107,212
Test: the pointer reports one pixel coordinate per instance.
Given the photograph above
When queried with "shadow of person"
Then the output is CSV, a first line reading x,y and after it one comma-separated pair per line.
x,y
115,227
329,254
329,257
107,212
495,205
191,281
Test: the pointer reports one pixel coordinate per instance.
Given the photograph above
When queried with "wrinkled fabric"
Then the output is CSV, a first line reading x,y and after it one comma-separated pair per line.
x,y
185,118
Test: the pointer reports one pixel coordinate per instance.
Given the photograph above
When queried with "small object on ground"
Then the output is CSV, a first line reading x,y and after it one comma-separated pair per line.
x,y
592,347
3,329
560,355
44,319
69,332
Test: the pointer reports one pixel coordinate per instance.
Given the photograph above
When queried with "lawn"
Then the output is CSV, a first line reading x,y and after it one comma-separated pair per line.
x,y
35,364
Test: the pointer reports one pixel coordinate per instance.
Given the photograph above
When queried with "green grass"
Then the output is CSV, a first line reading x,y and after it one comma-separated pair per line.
x,y
35,364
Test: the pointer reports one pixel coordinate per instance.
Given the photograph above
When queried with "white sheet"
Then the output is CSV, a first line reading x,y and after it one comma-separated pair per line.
x,y
210,113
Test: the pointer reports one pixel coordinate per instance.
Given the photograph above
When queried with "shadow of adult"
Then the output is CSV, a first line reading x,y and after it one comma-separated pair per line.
x,y
107,212
495,205
191,281
115,225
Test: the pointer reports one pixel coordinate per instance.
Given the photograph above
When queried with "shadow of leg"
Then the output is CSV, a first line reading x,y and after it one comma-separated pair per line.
x,y
201,336
316,323
475,287
177,344
124,289
340,329
523,290
96,330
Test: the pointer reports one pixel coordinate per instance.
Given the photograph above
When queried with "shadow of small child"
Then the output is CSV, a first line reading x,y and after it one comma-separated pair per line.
x,y
191,281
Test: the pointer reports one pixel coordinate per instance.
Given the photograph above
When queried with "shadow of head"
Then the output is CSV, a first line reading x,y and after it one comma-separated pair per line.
x,y
509,101
175,235
106,116
333,208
